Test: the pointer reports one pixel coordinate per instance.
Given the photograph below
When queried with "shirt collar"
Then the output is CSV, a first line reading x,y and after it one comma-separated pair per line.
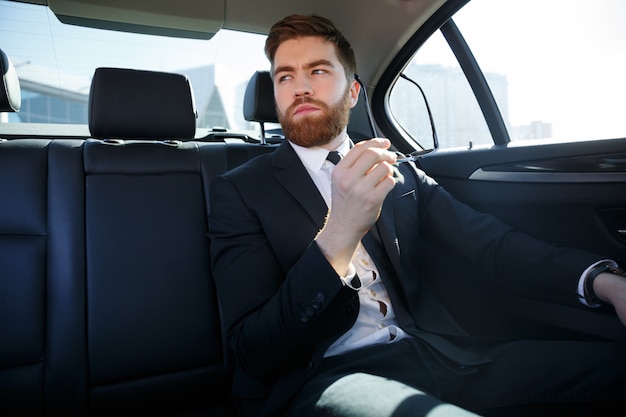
x,y
313,158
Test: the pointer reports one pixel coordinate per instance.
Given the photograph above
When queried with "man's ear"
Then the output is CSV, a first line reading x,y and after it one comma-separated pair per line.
x,y
355,89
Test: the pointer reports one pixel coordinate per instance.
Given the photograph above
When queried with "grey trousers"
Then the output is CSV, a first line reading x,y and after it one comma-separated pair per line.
x,y
525,378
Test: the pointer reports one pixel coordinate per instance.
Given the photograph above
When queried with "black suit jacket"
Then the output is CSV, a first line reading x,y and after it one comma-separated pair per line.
x,y
283,304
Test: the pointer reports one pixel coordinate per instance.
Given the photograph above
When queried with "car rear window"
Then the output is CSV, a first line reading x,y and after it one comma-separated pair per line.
x,y
55,63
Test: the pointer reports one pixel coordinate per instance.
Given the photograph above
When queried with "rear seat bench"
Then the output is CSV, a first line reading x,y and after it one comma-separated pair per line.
x,y
107,305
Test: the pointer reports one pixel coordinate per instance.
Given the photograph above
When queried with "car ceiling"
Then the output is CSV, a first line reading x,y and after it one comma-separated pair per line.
x,y
376,28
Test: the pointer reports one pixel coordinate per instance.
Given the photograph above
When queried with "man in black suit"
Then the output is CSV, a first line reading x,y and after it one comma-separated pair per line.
x,y
316,267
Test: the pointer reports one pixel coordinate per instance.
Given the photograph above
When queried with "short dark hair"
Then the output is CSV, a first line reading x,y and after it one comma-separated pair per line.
x,y
295,26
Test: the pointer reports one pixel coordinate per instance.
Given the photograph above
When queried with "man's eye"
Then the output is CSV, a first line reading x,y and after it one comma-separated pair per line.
x,y
284,78
319,71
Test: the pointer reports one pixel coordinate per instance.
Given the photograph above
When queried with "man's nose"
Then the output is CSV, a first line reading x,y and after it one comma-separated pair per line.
x,y
302,87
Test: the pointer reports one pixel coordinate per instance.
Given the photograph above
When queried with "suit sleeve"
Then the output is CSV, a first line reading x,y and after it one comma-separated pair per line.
x,y
272,314
505,253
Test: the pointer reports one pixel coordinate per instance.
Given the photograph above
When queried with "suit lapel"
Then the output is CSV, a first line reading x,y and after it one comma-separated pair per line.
x,y
292,175
387,230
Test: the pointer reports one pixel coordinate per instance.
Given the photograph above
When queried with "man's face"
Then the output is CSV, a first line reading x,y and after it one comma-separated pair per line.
x,y
313,96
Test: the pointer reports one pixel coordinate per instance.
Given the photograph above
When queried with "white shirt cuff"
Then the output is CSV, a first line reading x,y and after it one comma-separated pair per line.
x,y
349,279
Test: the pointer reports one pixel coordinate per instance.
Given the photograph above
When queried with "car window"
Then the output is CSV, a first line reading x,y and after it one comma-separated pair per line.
x,y
555,69
55,63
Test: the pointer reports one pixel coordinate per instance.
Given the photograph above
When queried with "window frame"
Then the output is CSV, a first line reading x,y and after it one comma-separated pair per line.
x,y
440,21
381,94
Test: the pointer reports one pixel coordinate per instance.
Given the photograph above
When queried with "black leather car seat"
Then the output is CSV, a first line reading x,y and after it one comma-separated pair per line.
x,y
258,102
135,104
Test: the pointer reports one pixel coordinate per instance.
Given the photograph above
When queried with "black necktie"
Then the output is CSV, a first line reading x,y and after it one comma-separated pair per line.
x,y
334,157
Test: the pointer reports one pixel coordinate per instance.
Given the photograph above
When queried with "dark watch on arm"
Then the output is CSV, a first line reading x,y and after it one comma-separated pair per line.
x,y
590,294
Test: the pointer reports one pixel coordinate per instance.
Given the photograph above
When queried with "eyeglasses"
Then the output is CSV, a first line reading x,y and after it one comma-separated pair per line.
x,y
406,158
412,157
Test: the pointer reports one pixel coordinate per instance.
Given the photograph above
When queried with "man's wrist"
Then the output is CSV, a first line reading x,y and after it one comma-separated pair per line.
x,y
591,298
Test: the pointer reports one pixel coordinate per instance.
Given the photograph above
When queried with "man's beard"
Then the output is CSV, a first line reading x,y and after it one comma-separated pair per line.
x,y
316,130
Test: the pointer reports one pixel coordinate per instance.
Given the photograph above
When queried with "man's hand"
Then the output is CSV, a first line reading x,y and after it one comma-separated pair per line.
x,y
611,288
360,183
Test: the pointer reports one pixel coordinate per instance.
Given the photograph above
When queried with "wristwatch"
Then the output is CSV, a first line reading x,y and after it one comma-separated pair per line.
x,y
590,294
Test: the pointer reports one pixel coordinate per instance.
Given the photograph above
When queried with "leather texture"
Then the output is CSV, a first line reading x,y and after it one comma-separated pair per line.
x,y
134,104
259,103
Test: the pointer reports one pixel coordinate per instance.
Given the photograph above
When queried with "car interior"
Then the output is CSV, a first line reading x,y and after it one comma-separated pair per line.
x,y
107,305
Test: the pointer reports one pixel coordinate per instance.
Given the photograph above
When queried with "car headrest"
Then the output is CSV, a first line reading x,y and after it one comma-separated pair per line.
x,y
135,104
258,101
10,95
